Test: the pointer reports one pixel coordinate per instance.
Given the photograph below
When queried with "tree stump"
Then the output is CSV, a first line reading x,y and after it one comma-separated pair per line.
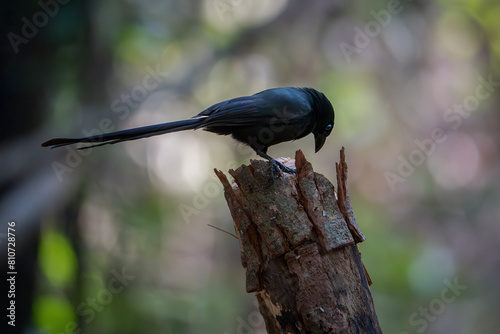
x,y
298,245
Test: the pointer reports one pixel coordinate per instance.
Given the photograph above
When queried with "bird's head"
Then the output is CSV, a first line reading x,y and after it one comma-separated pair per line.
x,y
325,119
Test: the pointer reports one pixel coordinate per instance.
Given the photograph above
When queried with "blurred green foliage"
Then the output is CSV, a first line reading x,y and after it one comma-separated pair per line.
x,y
57,259
54,314
438,224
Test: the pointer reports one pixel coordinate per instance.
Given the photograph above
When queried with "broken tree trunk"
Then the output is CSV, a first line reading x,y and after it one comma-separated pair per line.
x,y
298,246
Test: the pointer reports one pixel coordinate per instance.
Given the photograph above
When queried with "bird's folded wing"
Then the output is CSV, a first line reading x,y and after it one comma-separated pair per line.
x,y
249,110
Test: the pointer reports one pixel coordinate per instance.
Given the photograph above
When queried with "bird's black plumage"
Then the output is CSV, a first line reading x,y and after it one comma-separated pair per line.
x,y
261,120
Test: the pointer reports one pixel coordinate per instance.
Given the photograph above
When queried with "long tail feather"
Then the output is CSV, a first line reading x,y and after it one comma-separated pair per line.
x,y
130,134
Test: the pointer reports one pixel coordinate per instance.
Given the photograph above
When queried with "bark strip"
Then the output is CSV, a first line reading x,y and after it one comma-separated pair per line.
x,y
298,246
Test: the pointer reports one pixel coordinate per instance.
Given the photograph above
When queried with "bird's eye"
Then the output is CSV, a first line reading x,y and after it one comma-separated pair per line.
x,y
328,127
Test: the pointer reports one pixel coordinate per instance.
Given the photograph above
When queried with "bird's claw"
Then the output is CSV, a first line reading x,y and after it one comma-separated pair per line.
x,y
279,167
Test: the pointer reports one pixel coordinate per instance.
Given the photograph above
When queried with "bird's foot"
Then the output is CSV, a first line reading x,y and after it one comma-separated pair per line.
x,y
279,167
276,166
284,168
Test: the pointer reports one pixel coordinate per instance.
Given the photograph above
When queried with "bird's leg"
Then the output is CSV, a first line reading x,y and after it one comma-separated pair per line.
x,y
276,165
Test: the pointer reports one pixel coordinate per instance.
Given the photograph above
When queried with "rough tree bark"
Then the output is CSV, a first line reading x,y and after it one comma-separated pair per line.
x,y
298,246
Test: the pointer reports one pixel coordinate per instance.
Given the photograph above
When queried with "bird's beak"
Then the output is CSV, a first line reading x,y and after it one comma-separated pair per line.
x,y
319,141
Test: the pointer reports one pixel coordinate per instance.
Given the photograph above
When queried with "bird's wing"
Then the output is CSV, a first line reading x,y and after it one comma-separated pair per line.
x,y
253,110
241,110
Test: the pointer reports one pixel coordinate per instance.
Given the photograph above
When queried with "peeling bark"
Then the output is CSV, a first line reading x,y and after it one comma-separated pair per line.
x,y
298,246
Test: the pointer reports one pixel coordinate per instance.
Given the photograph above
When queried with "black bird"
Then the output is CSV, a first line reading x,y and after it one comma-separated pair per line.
x,y
261,120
